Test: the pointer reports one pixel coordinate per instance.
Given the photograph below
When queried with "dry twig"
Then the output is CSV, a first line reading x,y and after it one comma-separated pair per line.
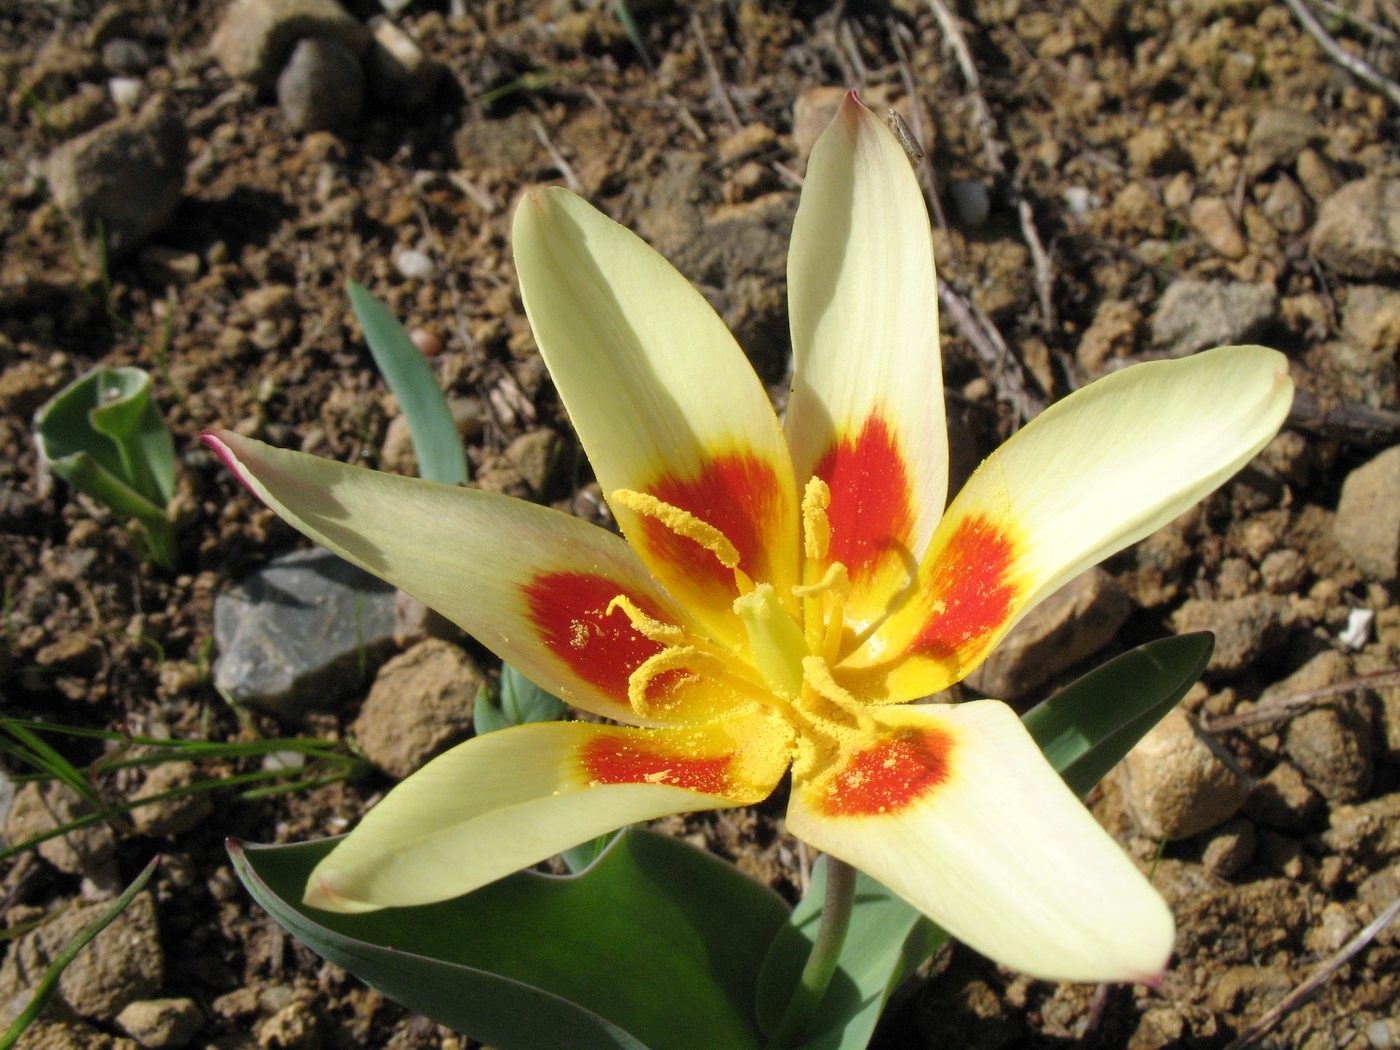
x,y
716,81
1316,980
556,158
986,127
1292,703
1006,373
1353,64
1349,421
916,119
450,275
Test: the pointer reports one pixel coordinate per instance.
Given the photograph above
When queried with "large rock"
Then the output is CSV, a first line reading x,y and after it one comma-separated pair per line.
x,y
1179,782
256,37
301,633
1196,315
1357,232
123,963
43,806
1073,623
1368,516
1244,628
322,87
421,703
123,180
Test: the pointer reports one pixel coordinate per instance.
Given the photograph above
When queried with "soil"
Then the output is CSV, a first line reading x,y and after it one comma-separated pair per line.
x,y
1114,121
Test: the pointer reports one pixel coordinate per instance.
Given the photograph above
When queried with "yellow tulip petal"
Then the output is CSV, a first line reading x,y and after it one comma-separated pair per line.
x,y
1093,473
866,411
663,399
506,800
954,808
531,584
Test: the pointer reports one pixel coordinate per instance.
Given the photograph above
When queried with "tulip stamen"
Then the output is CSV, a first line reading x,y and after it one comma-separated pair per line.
x,y
684,523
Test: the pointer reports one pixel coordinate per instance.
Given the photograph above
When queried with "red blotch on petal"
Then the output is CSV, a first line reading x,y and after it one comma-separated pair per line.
x,y
871,509
629,760
569,609
971,592
736,494
894,774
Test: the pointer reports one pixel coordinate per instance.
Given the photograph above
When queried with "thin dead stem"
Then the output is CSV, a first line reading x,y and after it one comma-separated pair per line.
x,y
1291,704
1316,980
1353,64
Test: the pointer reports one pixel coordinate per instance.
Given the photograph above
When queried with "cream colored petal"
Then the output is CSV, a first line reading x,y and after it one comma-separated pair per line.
x,y
530,583
1093,473
956,810
663,399
506,800
866,411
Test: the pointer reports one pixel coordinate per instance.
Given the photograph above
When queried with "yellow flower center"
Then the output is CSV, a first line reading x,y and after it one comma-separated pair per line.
x,y
788,666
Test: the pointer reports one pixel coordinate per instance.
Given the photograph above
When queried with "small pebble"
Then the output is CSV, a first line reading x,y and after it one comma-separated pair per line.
x,y
1379,1034
429,343
971,203
413,264
126,92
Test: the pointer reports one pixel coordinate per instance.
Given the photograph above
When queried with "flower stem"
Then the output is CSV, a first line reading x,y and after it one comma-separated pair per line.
x,y
826,951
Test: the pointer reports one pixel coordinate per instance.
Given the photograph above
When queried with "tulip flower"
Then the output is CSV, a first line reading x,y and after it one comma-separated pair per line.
x,y
781,591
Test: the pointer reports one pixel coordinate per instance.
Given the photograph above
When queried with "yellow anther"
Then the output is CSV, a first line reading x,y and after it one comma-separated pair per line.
x,y
684,523
647,626
817,674
816,526
677,658
837,581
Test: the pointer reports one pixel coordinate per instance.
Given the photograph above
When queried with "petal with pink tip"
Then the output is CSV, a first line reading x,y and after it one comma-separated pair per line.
x,y
662,397
954,808
530,583
506,800
866,411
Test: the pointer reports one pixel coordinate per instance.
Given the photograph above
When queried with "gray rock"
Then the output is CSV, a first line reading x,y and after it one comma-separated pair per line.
x,y
1244,628
1357,232
1278,136
421,704
158,1024
303,632
1196,315
124,178
1367,525
401,73
7,799
256,37
971,203
322,87
1179,782
39,807
1073,623
123,963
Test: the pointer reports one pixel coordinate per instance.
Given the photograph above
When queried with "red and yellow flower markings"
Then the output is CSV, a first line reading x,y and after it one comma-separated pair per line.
x,y
782,590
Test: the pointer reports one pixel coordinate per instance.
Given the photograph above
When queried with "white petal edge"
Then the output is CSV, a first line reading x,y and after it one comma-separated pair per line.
x,y
463,552
1004,857
487,808
863,308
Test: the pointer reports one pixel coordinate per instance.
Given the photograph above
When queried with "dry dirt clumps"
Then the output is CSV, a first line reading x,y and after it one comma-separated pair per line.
x,y
1128,181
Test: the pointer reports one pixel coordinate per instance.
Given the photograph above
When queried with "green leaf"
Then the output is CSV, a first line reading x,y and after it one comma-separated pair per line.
x,y
103,435
1084,730
656,947
520,701
436,442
